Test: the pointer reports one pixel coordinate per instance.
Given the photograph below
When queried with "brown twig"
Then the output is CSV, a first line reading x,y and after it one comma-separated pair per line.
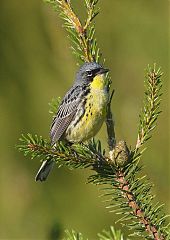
x,y
123,184
70,156
79,28
66,6
137,211
45,150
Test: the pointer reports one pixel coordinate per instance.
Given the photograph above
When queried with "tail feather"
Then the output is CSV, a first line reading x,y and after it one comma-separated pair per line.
x,y
44,170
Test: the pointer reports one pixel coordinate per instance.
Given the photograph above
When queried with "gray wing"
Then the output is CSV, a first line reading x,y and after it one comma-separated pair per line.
x,y
66,113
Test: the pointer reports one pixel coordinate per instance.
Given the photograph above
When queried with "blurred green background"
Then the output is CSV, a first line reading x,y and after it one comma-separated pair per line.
x,y
36,65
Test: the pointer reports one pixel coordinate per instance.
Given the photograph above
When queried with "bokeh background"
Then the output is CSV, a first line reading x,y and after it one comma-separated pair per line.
x,y
36,65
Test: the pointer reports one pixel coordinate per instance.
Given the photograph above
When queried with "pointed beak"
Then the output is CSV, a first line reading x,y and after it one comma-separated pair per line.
x,y
103,71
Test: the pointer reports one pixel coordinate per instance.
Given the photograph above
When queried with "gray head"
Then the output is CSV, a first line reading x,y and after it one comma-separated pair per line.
x,y
88,71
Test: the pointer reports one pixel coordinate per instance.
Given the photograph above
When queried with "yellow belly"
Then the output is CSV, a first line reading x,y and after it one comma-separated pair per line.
x,y
92,120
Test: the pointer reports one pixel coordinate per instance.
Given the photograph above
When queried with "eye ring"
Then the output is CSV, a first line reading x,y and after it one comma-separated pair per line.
x,y
89,73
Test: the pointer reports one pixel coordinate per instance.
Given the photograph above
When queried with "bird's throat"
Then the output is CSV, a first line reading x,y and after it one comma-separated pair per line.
x,y
99,82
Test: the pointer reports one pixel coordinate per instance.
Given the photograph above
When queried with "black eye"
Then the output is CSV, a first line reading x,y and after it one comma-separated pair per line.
x,y
89,73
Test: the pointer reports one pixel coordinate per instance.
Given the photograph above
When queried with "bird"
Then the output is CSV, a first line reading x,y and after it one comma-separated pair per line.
x,y
82,111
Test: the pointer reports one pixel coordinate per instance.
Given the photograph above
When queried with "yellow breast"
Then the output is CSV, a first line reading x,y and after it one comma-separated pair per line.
x,y
99,82
94,112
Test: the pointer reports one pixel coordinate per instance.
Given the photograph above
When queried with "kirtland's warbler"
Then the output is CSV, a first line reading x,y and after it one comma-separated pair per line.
x,y
81,112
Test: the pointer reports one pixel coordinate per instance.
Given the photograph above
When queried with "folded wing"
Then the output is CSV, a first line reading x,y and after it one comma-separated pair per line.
x,y
65,114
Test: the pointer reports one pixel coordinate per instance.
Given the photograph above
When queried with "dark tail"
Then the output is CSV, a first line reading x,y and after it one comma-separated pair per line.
x,y
44,170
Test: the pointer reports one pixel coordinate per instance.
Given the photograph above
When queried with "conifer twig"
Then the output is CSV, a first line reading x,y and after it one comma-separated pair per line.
x,y
150,110
137,211
84,45
147,124
74,21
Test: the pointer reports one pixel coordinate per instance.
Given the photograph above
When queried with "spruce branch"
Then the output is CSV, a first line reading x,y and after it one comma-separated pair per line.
x,y
153,85
150,111
84,44
139,207
129,192
92,12
72,156
130,195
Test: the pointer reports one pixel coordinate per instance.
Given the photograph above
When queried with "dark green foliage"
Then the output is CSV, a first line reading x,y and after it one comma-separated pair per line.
x,y
73,157
150,111
83,42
